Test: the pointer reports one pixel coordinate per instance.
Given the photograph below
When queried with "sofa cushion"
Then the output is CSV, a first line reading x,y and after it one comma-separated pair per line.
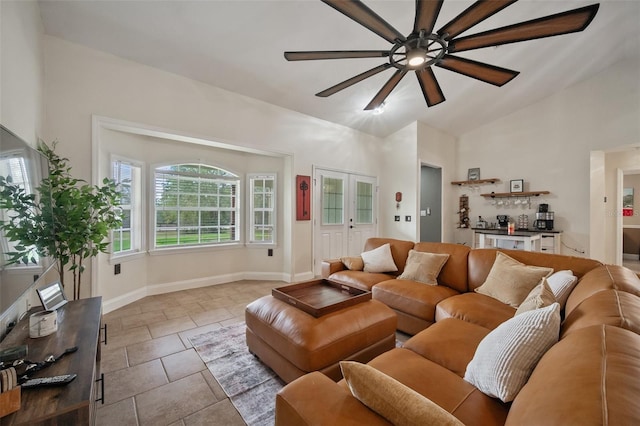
x,y
588,378
605,277
423,267
359,279
353,263
412,297
441,386
481,261
612,307
539,297
510,281
379,259
391,399
475,308
450,343
506,357
454,273
561,284
399,250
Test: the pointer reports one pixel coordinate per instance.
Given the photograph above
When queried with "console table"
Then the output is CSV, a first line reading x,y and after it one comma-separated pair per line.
x,y
531,240
72,404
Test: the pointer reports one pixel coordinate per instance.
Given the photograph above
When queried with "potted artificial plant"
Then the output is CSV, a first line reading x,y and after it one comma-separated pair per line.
x,y
68,221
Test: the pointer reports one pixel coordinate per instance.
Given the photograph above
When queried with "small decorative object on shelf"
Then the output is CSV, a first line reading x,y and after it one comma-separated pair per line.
x,y
473,174
517,185
463,212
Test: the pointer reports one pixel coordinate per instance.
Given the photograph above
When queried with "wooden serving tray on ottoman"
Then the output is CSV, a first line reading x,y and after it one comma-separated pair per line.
x,y
320,297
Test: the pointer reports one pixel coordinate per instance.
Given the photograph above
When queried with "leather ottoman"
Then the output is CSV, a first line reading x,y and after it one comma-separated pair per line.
x,y
294,343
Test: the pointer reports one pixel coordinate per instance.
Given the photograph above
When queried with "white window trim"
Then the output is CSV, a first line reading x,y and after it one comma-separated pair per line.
x,y
138,252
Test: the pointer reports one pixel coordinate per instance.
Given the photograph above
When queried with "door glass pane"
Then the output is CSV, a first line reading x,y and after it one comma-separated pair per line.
x,y
364,203
332,201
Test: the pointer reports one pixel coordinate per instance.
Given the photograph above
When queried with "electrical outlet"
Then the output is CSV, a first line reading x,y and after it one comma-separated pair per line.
x,y
116,269
270,252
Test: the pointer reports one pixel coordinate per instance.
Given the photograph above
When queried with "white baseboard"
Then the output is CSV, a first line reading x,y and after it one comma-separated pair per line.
x,y
161,288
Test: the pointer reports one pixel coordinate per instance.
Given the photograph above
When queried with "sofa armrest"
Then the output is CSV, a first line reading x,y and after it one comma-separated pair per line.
x,y
330,266
316,399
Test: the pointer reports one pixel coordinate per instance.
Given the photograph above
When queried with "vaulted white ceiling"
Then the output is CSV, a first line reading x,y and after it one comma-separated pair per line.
x,y
238,46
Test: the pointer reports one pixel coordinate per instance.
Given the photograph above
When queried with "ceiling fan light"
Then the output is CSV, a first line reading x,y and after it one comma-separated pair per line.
x,y
416,57
379,109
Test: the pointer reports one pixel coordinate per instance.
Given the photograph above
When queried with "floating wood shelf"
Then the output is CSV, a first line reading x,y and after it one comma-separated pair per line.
x,y
475,182
515,194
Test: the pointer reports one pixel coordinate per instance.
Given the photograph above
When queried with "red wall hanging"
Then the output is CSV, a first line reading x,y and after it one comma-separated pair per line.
x,y
303,197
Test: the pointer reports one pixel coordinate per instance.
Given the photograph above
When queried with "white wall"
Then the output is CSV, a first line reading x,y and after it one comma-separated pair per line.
x,y
21,71
548,144
81,82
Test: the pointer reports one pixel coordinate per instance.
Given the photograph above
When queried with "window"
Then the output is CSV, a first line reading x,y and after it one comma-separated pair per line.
x,y
262,190
332,196
13,167
128,238
195,204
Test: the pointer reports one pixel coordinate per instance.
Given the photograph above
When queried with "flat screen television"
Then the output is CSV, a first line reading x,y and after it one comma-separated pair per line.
x,y
28,167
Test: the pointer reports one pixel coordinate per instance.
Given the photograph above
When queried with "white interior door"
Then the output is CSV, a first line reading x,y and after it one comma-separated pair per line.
x,y
345,214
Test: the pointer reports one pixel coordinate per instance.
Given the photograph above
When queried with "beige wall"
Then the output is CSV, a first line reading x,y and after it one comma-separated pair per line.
x,y
548,144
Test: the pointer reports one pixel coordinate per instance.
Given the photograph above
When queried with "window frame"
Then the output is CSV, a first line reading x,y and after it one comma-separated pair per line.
x,y
137,209
251,210
236,178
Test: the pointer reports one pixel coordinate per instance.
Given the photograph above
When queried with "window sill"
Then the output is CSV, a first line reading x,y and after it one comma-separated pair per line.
x,y
126,257
194,249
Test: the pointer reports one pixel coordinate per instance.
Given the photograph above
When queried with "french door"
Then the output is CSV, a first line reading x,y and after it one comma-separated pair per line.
x,y
345,214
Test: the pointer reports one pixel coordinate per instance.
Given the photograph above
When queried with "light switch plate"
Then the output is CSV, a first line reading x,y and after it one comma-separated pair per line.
x,y
407,218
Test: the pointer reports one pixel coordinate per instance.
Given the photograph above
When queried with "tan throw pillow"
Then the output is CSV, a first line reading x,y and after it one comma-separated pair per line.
x,y
506,357
391,399
510,281
353,263
379,259
423,267
539,297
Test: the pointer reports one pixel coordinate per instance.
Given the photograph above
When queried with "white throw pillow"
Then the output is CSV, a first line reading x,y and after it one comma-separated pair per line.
x,y
506,357
562,284
540,297
379,259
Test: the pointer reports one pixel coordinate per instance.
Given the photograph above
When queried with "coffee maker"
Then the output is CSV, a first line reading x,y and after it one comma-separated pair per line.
x,y
503,220
544,218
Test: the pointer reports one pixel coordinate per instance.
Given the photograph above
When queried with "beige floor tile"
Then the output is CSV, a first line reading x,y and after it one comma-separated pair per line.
x,y
208,317
219,302
128,337
214,385
145,318
158,305
113,359
131,381
183,310
122,312
167,404
121,413
182,364
153,349
171,326
223,414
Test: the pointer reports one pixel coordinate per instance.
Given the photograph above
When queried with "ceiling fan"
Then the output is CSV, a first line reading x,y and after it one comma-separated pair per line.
x,y
424,48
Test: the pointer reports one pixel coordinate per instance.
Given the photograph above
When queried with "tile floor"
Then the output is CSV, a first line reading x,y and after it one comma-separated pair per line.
x,y
634,265
153,376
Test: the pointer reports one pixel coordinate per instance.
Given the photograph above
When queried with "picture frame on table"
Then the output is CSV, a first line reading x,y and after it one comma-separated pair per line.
x,y
473,174
516,185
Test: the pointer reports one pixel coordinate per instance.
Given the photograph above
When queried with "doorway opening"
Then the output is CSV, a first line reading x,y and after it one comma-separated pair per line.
x,y
430,204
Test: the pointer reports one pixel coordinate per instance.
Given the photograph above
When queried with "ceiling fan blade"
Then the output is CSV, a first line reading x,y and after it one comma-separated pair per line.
x,y
474,14
430,87
561,23
426,14
334,54
478,70
353,80
388,87
366,17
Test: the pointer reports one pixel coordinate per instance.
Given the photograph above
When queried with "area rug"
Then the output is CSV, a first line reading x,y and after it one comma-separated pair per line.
x,y
250,385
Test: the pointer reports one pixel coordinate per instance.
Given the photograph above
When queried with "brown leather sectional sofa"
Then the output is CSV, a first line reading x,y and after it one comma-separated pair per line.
x,y
590,377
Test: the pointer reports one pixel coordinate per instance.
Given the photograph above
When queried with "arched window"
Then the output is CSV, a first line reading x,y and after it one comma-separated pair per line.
x,y
195,204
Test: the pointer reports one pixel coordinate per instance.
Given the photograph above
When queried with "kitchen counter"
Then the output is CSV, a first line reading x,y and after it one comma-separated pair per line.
x,y
527,239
